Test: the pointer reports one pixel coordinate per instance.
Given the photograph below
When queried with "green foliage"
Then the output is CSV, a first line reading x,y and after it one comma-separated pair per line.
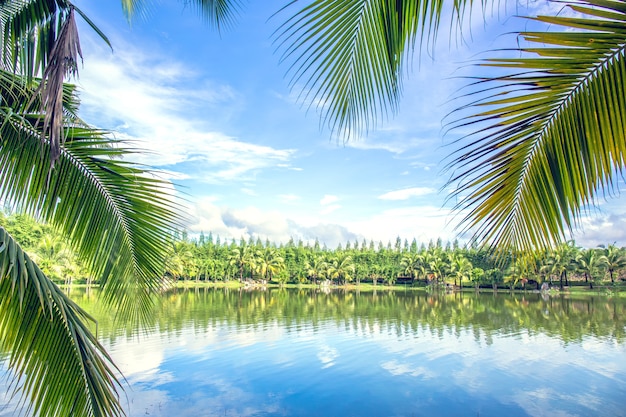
x,y
298,262
548,133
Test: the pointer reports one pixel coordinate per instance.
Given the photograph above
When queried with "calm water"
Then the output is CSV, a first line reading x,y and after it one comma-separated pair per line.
x,y
307,353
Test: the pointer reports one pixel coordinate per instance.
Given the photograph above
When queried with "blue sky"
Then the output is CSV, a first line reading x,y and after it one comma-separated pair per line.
x,y
214,111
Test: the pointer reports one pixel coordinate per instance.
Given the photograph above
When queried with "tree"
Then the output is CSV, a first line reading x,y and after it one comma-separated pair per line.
x,y
477,276
460,268
590,261
269,262
614,260
240,257
72,176
341,268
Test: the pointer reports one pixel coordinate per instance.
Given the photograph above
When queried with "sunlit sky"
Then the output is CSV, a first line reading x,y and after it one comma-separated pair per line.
x,y
214,111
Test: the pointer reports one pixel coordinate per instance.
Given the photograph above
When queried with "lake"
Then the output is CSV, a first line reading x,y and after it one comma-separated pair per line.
x,y
225,352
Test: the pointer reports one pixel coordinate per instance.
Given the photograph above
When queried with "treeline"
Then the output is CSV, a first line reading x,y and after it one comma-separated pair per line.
x,y
210,258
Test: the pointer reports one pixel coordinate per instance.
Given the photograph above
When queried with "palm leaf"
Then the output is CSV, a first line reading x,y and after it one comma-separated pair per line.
x,y
347,57
219,13
549,134
116,214
55,361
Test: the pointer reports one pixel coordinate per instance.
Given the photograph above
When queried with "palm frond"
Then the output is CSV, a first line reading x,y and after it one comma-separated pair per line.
x,y
116,214
56,363
218,13
548,134
28,31
40,38
347,57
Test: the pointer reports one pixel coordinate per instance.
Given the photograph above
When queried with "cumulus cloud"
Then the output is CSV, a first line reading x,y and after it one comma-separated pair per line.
x,y
424,223
330,234
235,223
407,193
602,229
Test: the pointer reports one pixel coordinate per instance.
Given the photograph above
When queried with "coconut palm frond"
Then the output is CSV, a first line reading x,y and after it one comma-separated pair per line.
x,y
549,135
67,372
218,13
116,214
29,28
347,57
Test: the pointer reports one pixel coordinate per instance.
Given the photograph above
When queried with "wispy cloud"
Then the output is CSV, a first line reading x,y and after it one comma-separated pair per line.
x,y
289,198
330,208
407,193
328,199
172,113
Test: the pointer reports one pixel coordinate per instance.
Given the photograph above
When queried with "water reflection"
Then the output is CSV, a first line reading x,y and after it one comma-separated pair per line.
x,y
568,319
307,353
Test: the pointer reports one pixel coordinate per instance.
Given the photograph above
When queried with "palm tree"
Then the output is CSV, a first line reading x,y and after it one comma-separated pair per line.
x,y
460,268
70,175
269,262
589,262
560,261
615,260
412,264
240,257
341,268
316,268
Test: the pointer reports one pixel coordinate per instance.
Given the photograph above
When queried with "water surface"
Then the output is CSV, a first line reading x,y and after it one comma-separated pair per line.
x,y
219,352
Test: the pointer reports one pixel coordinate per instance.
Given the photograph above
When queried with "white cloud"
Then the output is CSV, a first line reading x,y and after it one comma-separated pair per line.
x,y
330,208
407,193
392,146
152,100
328,199
602,229
396,368
424,223
229,223
249,191
289,198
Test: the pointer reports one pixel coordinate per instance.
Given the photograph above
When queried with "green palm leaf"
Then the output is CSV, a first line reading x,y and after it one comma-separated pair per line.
x,y
219,13
549,135
66,372
346,57
115,213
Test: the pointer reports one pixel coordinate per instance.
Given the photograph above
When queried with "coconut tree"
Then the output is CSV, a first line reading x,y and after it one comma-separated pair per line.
x,y
589,262
460,269
614,260
341,268
316,267
269,262
242,256
410,264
